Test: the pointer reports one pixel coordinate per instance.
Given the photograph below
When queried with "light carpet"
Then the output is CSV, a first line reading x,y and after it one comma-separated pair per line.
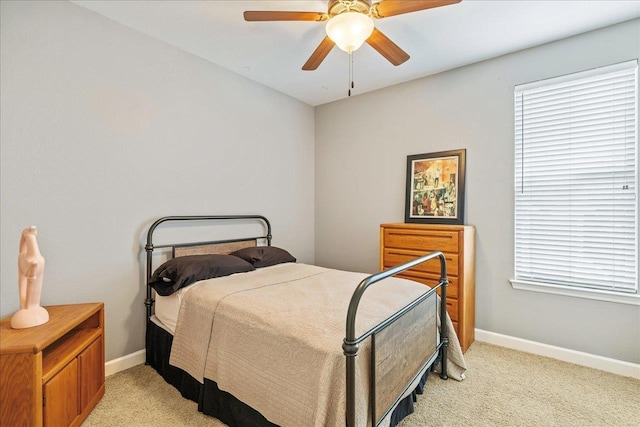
x,y
503,388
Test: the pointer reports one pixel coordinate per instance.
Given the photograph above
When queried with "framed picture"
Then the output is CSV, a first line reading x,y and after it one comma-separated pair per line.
x,y
435,188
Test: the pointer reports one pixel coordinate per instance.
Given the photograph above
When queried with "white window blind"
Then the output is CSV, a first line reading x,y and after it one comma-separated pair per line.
x,y
575,180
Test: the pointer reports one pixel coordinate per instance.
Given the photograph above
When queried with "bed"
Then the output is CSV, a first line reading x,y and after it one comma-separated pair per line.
x,y
258,339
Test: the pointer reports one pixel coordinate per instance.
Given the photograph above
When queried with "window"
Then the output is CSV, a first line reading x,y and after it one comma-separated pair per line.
x,y
576,182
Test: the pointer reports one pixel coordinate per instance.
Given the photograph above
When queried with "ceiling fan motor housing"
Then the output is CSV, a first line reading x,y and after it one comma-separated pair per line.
x,y
336,7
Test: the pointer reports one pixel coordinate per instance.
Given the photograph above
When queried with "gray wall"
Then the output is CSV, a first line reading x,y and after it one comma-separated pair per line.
x,y
104,129
360,160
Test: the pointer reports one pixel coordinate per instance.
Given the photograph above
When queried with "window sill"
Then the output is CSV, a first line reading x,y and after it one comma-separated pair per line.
x,y
631,299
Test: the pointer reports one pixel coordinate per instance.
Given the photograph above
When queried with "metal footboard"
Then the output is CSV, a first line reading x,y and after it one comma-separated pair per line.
x,y
351,343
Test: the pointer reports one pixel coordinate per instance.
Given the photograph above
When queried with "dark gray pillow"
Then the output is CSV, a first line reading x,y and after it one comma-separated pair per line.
x,y
264,256
185,270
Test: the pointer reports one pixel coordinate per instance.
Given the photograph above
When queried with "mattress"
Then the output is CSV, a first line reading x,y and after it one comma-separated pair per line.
x,y
167,309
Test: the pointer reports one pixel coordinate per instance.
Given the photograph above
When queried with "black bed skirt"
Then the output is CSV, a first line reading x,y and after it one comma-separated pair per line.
x,y
222,405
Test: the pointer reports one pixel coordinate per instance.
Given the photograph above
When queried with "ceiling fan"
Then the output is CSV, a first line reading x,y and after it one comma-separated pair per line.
x,y
349,24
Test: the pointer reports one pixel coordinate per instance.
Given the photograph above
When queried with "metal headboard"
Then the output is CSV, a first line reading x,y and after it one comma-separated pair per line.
x,y
149,247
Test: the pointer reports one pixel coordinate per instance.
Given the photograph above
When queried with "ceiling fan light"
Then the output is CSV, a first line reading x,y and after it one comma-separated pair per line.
x,y
349,30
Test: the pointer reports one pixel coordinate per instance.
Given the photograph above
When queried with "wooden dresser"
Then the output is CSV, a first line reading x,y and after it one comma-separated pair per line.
x,y
53,374
400,243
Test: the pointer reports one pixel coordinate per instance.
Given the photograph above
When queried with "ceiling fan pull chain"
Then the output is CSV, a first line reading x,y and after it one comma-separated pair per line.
x,y
351,59
350,72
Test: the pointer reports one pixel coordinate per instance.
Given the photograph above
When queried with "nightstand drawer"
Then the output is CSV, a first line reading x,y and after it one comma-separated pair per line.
x,y
427,240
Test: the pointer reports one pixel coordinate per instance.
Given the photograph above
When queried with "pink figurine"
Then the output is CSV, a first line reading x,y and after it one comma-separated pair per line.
x,y
30,272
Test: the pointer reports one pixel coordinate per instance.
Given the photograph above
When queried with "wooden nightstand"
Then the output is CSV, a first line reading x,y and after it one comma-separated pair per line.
x,y
400,243
53,374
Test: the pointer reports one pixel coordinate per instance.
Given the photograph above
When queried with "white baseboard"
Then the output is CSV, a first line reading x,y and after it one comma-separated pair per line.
x,y
125,362
614,366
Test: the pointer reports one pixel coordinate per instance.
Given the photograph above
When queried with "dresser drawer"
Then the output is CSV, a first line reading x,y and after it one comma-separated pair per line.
x,y
452,293
423,240
394,257
431,280
452,309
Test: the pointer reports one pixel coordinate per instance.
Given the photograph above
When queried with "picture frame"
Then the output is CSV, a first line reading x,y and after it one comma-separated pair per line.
x,y
435,187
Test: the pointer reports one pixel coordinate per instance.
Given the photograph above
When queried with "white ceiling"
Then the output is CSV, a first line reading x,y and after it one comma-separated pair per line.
x,y
272,53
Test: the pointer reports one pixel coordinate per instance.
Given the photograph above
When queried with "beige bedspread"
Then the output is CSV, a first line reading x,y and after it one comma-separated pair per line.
x,y
273,337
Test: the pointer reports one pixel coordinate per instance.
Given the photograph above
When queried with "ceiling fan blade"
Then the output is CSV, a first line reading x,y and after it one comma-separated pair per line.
x,y
268,15
387,48
319,54
387,8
